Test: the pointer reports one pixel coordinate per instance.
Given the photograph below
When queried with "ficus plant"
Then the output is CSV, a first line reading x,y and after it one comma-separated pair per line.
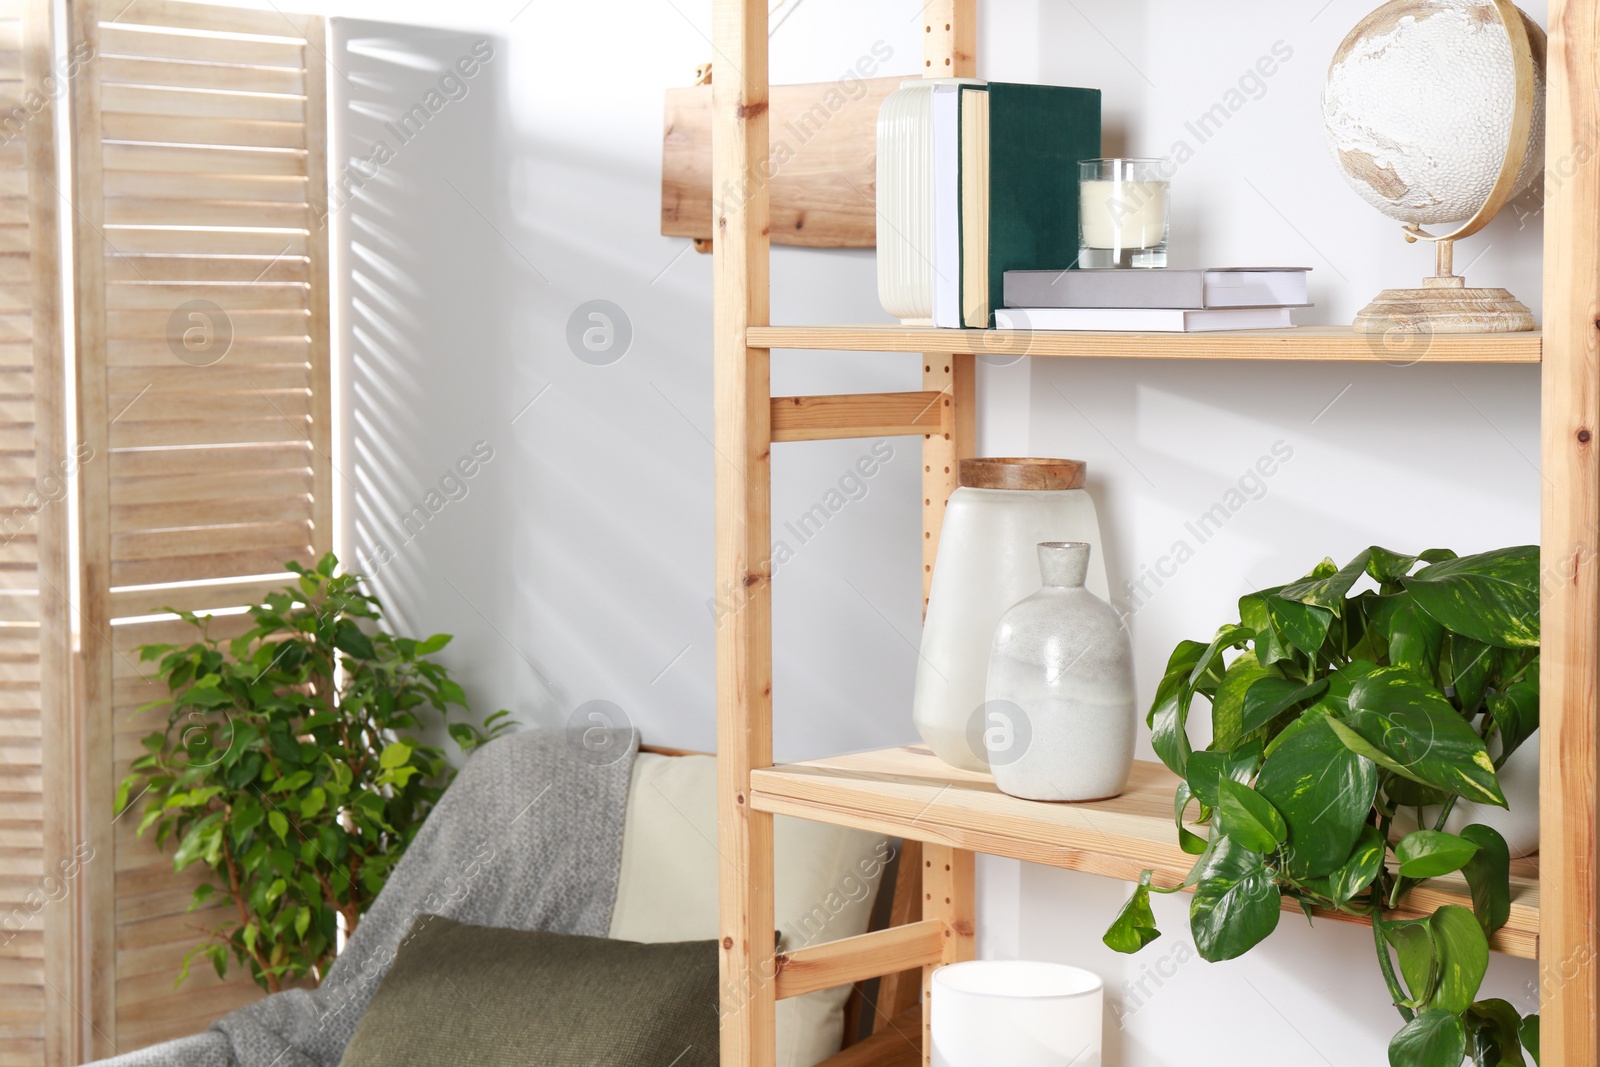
x,y
1332,711
289,769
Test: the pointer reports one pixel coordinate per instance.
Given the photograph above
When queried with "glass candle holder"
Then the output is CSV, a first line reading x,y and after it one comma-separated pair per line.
x,y
1122,212
1017,1013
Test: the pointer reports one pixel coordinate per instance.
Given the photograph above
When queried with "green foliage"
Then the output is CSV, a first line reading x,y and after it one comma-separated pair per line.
x,y
282,769
1331,710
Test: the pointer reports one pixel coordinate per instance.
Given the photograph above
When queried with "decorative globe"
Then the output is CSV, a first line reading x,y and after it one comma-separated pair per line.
x,y
1419,106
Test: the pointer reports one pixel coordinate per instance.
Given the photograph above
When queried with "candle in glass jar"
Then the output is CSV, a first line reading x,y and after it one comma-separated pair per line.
x,y
1123,212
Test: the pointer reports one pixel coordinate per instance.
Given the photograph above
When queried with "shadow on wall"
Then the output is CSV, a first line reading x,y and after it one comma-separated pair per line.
x,y
424,272
576,564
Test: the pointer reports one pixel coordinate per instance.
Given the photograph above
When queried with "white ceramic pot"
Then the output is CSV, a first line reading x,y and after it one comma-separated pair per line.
x,y
1060,718
1518,823
988,560
1016,1013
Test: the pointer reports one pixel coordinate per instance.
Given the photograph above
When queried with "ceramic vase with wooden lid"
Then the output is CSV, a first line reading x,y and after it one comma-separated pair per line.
x,y
987,561
1060,697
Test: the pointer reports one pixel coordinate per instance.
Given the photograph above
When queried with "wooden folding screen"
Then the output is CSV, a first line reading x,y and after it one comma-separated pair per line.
x,y
201,270
40,875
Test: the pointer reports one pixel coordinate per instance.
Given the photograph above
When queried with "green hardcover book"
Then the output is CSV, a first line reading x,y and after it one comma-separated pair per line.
x,y
1037,135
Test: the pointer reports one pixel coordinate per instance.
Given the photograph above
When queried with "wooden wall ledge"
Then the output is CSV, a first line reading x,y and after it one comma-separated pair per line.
x,y
823,163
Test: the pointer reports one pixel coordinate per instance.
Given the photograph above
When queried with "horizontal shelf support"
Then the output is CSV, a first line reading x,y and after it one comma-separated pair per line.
x,y
855,959
1314,343
833,418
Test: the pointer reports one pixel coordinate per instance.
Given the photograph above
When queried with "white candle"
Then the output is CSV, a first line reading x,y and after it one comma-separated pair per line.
x,y
1123,214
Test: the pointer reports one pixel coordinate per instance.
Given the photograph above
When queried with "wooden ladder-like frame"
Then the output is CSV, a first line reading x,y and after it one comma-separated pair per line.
x,y
749,420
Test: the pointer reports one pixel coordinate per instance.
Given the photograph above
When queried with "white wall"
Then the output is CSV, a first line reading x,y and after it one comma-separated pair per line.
x,y
578,564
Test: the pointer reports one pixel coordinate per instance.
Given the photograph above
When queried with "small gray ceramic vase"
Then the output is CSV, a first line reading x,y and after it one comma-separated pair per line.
x,y
1059,713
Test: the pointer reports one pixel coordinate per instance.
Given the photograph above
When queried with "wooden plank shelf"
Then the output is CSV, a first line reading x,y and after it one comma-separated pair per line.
x,y
909,792
1305,343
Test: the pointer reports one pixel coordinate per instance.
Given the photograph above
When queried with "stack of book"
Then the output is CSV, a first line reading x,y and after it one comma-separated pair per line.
x,y
1152,301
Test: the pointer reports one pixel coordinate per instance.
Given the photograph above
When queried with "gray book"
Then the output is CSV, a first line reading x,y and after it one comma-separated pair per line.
x,y
1226,287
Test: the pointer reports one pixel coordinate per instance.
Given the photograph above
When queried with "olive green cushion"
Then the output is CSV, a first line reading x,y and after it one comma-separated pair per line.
x,y
489,997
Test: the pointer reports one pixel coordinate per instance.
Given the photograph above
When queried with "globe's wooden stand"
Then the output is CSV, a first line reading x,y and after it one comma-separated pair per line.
x,y
1444,304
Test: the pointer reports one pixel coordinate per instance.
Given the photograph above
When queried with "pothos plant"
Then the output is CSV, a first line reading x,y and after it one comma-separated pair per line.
x,y
1333,711
287,770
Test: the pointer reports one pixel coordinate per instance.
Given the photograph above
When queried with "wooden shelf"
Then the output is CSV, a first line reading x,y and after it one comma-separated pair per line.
x,y
1316,343
909,792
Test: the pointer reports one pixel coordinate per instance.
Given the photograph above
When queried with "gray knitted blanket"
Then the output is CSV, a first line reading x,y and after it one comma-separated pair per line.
x,y
529,836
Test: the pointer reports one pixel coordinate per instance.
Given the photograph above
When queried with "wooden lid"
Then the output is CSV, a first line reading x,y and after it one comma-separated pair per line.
x,y
1023,473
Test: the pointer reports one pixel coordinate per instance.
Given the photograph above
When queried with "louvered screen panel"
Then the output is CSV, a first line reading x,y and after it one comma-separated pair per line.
x,y
37,894
204,374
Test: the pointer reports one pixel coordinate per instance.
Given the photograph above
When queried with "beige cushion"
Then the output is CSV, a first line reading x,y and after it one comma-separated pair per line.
x,y
826,880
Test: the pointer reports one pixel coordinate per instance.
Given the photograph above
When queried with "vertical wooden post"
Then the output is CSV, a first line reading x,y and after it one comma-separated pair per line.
x,y
948,893
58,736
949,50
951,374
740,173
1570,652
950,39
899,992
94,532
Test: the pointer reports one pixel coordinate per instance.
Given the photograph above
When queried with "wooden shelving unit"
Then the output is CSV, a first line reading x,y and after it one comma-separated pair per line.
x,y
908,792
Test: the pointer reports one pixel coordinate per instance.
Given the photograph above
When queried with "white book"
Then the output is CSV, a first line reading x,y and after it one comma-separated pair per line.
x,y
946,113
1142,320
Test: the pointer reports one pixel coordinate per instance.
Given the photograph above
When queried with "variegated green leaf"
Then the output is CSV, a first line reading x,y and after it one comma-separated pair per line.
x,y
1418,729
1492,597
